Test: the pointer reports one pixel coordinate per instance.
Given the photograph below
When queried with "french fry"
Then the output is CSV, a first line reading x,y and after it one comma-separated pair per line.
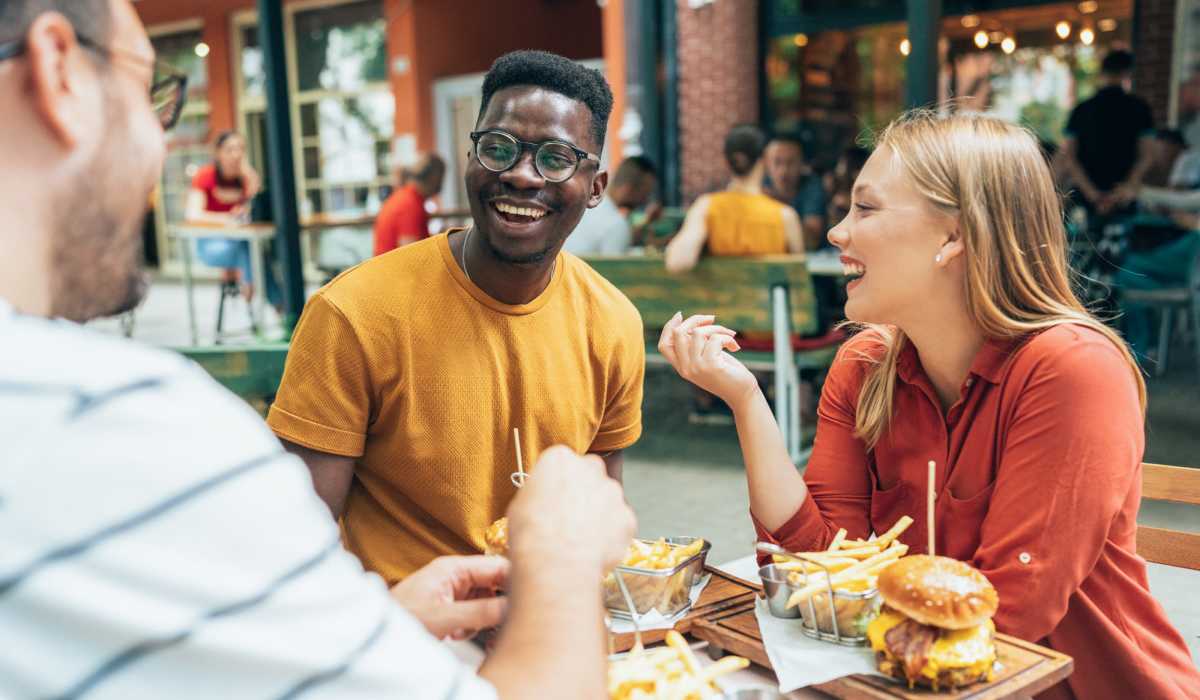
x,y
864,551
837,540
898,529
671,672
888,555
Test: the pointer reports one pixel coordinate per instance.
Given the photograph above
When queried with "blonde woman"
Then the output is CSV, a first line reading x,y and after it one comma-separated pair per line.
x,y
975,355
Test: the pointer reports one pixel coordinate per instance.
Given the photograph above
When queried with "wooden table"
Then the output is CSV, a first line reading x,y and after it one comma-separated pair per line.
x,y
254,234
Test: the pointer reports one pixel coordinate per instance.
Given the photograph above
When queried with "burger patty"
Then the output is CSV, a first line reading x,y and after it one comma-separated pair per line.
x,y
910,642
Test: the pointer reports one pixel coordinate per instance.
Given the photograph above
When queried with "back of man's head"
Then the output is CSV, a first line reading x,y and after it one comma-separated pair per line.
x,y
91,18
557,74
1118,63
633,171
428,173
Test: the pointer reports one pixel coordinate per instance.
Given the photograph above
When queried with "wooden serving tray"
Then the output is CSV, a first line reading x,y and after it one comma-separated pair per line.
x,y
1025,669
722,592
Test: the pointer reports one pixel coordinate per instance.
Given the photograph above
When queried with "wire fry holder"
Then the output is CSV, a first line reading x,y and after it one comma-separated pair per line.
x,y
810,623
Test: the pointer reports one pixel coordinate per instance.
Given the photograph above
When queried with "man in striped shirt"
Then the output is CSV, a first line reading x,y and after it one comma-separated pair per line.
x,y
155,539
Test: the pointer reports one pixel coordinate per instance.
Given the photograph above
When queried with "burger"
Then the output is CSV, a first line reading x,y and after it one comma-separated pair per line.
x,y
935,628
495,538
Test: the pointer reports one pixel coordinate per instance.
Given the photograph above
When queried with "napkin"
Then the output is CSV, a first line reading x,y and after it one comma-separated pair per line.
x,y
654,620
800,660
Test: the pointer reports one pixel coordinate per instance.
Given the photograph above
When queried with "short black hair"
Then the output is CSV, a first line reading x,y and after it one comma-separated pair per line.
x,y
788,137
1117,62
1174,136
556,73
744,145
90,18
632,168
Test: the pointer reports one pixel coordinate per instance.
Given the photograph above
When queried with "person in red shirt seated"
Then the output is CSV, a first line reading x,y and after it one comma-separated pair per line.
x,y
403,218
976,355
221,192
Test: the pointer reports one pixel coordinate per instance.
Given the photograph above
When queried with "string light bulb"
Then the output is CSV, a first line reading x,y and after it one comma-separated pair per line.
x,y
1063,29
1087,36
981,39
202,49
800,40
1108,24
905,46
970,21
1008,45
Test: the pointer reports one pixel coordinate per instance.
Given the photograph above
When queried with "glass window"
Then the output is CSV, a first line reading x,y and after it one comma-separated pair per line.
x,y
1029,64
341,47
254,81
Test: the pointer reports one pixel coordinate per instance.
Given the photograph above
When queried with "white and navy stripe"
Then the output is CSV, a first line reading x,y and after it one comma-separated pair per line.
x,y
155,541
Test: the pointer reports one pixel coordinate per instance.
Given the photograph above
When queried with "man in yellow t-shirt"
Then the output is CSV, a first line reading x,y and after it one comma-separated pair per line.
x,y
408,373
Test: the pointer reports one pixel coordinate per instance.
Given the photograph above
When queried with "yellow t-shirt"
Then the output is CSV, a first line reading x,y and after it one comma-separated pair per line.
x,y
406,365
740,223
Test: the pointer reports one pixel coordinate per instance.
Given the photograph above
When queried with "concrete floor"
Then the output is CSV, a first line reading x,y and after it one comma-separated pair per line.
x,y
688,480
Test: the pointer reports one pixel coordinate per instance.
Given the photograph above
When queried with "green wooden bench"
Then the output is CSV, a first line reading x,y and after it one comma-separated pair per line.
x,y
252,372
761,295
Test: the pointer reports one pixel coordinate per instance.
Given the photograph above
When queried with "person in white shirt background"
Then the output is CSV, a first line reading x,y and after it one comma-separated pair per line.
x,y
155,539
606,229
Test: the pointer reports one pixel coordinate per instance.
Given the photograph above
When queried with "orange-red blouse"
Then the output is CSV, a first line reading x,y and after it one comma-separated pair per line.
x,y
1038,486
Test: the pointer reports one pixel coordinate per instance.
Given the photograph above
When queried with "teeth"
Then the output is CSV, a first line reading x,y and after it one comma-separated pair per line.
x,y
520,211
853,269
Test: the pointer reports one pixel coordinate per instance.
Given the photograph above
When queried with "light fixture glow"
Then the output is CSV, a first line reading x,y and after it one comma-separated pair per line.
x,y
905,47
1008,45
1087,36
981,39
1107,24
202,49
970,21
996,37
1063,29
1087,7
800,40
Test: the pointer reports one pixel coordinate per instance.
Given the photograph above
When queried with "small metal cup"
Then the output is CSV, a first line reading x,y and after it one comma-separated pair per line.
x,y
778,590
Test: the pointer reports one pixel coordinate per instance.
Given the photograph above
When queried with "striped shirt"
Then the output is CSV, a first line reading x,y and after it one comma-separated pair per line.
x,y
156,541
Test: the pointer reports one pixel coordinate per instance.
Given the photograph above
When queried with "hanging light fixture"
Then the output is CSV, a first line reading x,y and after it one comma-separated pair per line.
x,y
1108,24
1063,29
970,21
800,40
1008,45
905,46
1087,36
981,39
996,37
1087,7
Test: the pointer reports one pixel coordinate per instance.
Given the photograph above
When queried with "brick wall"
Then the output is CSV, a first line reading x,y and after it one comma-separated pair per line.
x,y
1153,49
718,86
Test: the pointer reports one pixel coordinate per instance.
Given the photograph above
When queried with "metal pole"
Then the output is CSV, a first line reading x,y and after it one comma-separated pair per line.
x,y
280,160
922,68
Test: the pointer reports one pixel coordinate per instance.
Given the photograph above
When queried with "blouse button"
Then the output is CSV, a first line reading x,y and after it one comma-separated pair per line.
x,y
970,381
1025,558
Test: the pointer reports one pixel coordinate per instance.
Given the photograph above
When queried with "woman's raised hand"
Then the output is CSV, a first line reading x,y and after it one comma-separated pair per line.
x,y
696,348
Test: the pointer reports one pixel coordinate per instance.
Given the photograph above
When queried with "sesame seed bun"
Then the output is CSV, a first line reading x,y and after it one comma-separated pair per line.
x,y
938,591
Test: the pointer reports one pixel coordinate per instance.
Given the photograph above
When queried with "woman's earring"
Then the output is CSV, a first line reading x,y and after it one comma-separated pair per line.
x,y
937,258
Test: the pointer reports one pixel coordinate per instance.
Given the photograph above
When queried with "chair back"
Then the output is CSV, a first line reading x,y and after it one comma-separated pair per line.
x,y
736,290
1164,546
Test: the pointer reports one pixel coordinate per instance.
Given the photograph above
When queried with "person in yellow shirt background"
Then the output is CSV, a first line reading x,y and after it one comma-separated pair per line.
x,y
742,219
407,374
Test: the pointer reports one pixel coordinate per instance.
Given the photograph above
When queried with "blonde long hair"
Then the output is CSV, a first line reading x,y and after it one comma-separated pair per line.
x,y
990,175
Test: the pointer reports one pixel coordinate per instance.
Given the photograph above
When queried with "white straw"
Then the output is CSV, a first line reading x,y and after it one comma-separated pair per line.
x,y
929,506
519,477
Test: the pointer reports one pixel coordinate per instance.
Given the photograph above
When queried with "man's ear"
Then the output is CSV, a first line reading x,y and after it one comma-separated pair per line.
x,y
599,184
56,76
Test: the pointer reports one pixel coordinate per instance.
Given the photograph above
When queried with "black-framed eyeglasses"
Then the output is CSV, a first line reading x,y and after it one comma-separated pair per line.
x,y
554,160
168,89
